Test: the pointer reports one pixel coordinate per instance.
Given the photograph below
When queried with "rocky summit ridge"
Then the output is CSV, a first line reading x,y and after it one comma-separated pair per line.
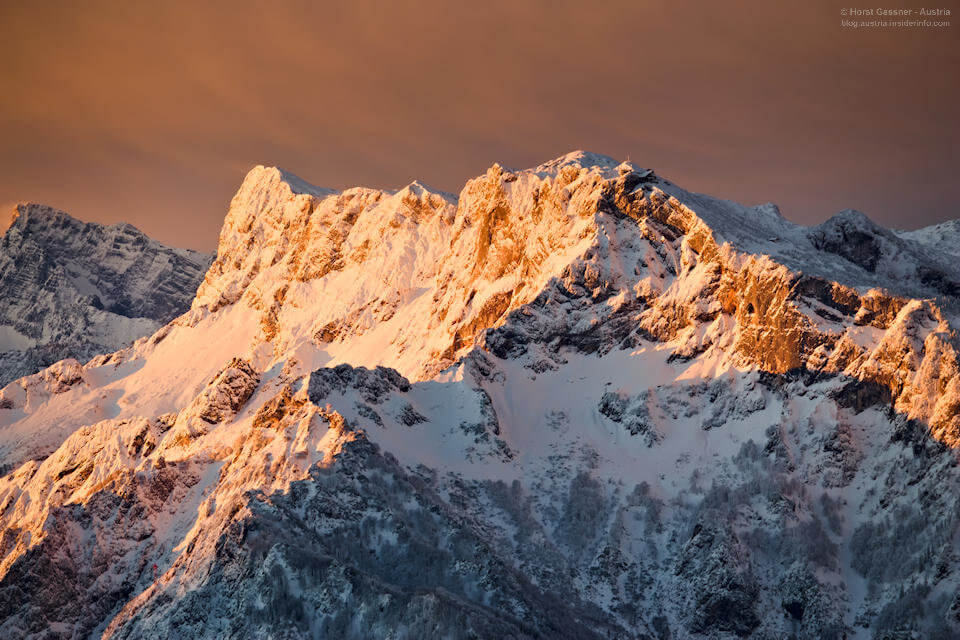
x,y
573,401
75,289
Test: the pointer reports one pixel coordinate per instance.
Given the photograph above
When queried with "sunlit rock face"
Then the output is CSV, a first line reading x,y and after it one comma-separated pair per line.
x,y
574,401
70,289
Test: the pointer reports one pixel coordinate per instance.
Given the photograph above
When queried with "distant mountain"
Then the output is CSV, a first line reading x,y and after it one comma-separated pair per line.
x,y
70,289
575,401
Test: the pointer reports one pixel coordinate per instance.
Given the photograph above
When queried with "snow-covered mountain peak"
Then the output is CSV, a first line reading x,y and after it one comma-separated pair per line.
x,y
75,289
97,254
941,238
296,184
576,396
769,209
44,221
851,218
419,190
395,266
579,158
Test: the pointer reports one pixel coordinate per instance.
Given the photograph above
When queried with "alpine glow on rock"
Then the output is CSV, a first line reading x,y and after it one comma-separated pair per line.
x,y
575,401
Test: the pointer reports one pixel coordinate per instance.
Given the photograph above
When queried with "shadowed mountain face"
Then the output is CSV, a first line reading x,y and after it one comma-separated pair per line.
x,y
575,401
75,289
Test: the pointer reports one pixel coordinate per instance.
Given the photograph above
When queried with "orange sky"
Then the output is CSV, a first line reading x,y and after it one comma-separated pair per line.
x,y
113,111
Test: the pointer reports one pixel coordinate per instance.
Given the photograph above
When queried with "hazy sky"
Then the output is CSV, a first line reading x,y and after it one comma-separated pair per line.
x,y
115,111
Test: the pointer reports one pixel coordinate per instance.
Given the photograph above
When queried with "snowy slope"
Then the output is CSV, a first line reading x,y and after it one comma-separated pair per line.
x,y
575,401
943,238
75,289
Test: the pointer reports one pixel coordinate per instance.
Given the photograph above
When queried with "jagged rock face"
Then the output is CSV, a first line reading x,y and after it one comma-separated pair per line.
x,y
74,289
577,401
454,268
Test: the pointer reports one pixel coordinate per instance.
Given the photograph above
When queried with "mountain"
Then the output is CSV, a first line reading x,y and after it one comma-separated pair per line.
x,y
575,401
70,289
